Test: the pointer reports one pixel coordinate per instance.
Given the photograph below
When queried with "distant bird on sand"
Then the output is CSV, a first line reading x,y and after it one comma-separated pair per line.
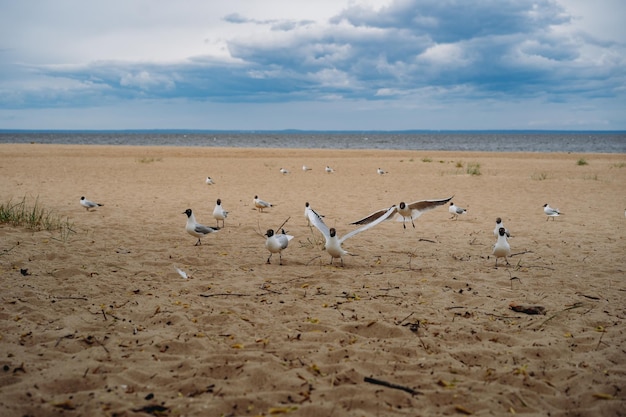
x,y
456,211
219,213
260,204
305,168
381,171
275,243
329,169
284,171
196,229
209,181
404,211
89,204
551,212
501,249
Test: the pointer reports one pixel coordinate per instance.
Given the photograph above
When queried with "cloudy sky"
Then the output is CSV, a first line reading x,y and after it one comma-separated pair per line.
x,y
323,64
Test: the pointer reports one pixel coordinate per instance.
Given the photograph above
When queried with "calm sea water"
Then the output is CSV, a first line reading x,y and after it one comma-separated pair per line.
x,y
489,141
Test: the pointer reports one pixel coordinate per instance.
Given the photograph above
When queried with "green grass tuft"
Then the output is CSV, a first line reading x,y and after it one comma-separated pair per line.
x,y
37,218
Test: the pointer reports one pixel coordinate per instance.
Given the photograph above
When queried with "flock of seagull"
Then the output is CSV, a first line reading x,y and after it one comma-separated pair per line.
x,y
277,241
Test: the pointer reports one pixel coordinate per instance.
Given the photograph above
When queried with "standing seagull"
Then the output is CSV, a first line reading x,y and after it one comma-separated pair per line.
x,y
501,249
219,213
196,229
88,204
209,181
329,169
499,224
551,212
260,204
284,171
455,211
305,168
381,171
403,211
333,243
276,244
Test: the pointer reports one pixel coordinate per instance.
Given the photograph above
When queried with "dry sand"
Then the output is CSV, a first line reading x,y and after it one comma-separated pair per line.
x,y
103,325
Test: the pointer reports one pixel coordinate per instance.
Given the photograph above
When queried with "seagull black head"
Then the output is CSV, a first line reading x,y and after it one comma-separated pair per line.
x,y
402,205
501,231
187,212
269,233
332,232
219,201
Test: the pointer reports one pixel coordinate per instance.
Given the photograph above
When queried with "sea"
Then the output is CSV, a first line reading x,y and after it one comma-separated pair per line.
x,y
480,141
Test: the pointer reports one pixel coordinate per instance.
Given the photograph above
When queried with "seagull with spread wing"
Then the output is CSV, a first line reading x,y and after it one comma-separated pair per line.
x,y
404,211
333,242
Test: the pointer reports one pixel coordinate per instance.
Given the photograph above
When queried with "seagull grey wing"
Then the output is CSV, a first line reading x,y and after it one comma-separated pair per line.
x,y
204,229
374,216
419,207
387,214
316,220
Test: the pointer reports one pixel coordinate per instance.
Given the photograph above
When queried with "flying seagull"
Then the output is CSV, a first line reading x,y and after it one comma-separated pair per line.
x,y
405,211
333,242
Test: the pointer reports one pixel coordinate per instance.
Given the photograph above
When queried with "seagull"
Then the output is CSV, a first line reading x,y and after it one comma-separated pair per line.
x,y
551,212
381,171
501,249
284,171
275,243
455,211
209,181
403,211
307,208
329,169
219,213
260,204
333,243
88,204
499,224
196,229
305,168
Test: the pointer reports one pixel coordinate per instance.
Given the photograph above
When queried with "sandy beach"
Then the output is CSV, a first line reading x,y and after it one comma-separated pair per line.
x,y
98,322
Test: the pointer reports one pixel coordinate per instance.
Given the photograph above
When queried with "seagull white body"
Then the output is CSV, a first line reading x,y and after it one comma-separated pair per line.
x,y
501,249
305,168
88,204
404,211
329,169
333,243
381,171
209,181
196,229
551,212
455,211
260,204
275,243
499,224
219,213
284,171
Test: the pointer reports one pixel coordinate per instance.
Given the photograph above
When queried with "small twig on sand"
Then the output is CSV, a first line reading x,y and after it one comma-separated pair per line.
x,y
576,305
224,294
391,385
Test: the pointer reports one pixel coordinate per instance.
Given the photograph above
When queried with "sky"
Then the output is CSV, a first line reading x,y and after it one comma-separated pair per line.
x,y
313,65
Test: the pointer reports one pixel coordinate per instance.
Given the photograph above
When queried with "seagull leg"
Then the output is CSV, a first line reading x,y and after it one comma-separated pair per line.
x,y
413,223
280,257
268,259
198,242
